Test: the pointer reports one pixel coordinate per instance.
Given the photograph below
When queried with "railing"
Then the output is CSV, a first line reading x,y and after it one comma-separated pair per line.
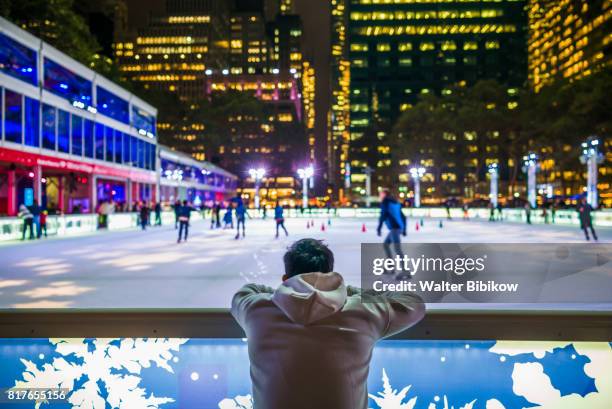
x,y
69,225
602,218
11,228
218,323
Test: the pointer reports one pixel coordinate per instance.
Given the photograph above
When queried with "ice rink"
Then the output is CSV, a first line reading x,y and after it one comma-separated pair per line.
x,y
148,269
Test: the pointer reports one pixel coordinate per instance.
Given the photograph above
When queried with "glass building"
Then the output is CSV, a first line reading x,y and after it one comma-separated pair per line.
x,y
69,138
200,183
174,52
568,39
248,41
401,49
338,120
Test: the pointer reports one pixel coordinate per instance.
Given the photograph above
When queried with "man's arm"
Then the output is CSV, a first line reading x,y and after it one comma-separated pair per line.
x,y
397,310
404,309
245,297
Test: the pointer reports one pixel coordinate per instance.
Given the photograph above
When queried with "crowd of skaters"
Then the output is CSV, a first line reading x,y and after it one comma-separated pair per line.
x,y
235,213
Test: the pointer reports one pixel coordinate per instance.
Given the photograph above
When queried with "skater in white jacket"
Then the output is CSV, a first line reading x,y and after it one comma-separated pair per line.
x,y
310,341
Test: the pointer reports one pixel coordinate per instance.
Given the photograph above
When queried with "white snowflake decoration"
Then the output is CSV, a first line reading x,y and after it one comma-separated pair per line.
x,y
390,398
100,365
467,405
239,402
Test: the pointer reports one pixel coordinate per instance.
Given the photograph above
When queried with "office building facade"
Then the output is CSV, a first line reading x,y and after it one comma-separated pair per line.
x,y
399,50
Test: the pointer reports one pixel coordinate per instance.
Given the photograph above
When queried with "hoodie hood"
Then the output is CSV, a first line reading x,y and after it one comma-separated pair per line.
x,y
307,298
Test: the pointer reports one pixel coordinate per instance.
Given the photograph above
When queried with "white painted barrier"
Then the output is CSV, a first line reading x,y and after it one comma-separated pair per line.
x,y
70,225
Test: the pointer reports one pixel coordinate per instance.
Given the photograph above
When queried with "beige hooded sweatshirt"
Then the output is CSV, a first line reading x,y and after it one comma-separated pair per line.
x,y
310,341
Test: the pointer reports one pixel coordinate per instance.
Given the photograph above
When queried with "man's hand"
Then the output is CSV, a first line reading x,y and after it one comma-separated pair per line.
x,y
378,232
404,233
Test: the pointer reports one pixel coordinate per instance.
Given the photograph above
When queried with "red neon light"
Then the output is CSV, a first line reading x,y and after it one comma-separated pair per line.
x,y
32,159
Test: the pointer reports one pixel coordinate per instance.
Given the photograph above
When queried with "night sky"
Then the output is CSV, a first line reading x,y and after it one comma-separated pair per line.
x,y
315,16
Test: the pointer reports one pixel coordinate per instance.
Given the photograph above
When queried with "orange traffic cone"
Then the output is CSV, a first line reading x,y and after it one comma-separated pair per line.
x,y
417,226
322,226
363,228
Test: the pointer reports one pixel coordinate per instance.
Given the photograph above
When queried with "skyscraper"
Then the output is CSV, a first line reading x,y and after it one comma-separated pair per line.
x,y
285,33
308,99
338,169
402,49
173,53
568,39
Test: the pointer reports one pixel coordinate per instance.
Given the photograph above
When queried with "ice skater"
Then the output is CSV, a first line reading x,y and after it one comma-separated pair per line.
x,y
586,220
158,210
28,221
215,216
144,215
528,212
228,219
280,219
392,216
184,217
241,213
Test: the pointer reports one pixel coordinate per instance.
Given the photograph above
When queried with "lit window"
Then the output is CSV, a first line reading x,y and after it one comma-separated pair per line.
x,y
404,47
358,47
405,62
448,45
427,46
382,47
470,45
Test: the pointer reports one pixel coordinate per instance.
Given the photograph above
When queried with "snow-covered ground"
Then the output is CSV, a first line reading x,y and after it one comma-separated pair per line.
x,y
136,269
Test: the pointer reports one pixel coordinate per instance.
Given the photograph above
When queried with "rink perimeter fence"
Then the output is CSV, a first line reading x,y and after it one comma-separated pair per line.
x,y
71,225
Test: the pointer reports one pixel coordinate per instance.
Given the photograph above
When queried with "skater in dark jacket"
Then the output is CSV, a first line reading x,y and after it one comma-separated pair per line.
x,y
391,215
228,219
158,210
586,218
28,221
241,213
280,219
184,217
144,215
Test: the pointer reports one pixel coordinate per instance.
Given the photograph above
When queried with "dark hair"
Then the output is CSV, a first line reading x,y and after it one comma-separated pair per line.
x,y
185,202
308,256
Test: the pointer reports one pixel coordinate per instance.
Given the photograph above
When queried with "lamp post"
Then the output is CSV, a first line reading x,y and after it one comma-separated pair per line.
x,y
368,187
530,165
591,157
494,172
258,175
417,173
305,174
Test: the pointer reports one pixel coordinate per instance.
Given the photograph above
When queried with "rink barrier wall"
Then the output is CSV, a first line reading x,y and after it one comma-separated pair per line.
x,y
72,225
464,324
602,218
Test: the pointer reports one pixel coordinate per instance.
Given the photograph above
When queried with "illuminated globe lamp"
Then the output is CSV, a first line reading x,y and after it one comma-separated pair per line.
x,y
494,172
305,174
258,175
591,157
530,166
417,173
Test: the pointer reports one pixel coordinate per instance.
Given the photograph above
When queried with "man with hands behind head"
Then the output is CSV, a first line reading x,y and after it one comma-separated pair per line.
x,y
310,340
